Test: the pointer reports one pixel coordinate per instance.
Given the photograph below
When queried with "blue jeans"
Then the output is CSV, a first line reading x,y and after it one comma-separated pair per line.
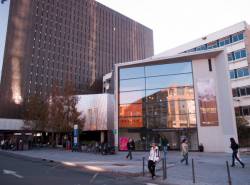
x,y
185,158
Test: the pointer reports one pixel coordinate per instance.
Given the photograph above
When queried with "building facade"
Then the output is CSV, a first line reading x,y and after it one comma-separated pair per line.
x,y
236,40
186,96
51,42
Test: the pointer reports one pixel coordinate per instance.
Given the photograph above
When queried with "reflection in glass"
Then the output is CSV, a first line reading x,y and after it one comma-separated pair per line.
x,y
132,97
171,93
130,122
132,84
181,121
157,109
157,122
130,110
169,81
135,72
166,69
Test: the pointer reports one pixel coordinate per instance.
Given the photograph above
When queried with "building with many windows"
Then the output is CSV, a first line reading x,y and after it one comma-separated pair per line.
x,y
171,98
236,40
51,42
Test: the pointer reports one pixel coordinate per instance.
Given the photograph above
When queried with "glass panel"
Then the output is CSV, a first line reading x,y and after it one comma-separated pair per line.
x,y
242,91
132,97
181,121
130,122
232,76
157,122
245,111
237,55
169,81
166,69
243,53
157,109
130,110
235,38
230,57
240,72
248,90
132,84
134,72
185,107
234,91
240,36
157,95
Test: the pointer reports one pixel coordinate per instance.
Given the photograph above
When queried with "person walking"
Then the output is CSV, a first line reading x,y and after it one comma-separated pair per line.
x,y
235,147
130,146
154,156
184,151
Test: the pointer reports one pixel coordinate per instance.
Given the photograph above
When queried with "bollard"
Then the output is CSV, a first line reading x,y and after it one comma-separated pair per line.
x,y
163,169
193,171
143,166
228,174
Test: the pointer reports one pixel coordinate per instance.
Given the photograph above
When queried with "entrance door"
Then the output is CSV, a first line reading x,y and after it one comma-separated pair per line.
x,y
174,138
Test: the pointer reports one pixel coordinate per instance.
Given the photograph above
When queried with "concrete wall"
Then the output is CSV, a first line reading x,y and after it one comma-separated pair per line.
x,y
216,138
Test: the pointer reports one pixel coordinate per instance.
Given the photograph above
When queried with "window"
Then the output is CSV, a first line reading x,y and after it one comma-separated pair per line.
x,y
224,41
236,55
237,73
238,36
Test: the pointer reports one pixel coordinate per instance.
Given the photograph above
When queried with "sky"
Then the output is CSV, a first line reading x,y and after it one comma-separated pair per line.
x,y
174,22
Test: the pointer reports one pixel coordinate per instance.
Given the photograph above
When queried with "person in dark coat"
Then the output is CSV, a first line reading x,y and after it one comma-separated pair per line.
x,y
235,147
130,146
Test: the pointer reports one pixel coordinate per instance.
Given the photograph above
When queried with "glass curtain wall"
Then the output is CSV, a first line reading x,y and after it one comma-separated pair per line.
x,y
156,103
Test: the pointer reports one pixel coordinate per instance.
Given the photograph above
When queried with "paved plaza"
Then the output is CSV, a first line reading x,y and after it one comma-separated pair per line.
x,y
210,168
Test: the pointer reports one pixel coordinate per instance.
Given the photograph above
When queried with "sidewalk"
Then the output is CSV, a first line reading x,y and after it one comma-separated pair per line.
x,y
210,168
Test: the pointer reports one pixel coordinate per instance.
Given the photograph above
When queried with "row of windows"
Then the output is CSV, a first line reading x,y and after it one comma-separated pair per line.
x,y
155,70
242,111
236,55
237,73
241,91
219,43
157,109
158,82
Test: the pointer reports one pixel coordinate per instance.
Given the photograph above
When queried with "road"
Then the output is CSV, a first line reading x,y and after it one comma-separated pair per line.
x,y
19,170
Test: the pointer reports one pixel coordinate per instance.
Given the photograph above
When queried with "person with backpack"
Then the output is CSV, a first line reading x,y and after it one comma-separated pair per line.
x,y
130,146
154,157
235,147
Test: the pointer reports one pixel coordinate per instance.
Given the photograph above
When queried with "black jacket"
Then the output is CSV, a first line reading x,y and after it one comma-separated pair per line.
x,y
234,147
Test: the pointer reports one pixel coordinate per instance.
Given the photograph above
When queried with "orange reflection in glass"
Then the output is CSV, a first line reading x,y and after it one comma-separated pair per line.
x,y
131,122
131,110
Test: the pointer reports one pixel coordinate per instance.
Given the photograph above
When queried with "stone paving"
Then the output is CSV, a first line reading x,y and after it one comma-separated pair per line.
x,y
210,168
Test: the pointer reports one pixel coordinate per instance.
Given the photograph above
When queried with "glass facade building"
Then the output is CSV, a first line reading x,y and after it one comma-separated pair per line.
x,y
156,102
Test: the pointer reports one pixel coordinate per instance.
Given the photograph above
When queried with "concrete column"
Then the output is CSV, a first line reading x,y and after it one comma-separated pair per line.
x,y
102,136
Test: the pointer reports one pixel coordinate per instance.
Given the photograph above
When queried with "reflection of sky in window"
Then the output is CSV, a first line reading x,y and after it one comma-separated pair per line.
x,y
132,97
132,84
169,81
134,72
166,69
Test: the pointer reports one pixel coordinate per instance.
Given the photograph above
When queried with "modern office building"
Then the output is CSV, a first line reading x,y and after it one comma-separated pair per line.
x,y
51,42
236,40
175,97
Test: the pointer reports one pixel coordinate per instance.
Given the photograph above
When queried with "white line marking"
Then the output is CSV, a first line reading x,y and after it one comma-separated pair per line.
x,y
9,172
150,183
93,178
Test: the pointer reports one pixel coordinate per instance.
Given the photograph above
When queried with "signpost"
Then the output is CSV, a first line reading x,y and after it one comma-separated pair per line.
x,y
76,135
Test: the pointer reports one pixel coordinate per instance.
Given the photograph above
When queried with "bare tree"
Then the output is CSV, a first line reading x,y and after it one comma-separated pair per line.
x,y
35,113
63,113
